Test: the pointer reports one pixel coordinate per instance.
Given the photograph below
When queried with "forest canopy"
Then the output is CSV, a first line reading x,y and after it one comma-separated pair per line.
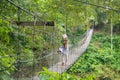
x,y
21,47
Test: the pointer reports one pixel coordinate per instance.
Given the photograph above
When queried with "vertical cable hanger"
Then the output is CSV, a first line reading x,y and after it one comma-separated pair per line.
x,y
18,42
52,58
87,24
44,25
11,73
111,34
33,37
66,15
10,59
111,25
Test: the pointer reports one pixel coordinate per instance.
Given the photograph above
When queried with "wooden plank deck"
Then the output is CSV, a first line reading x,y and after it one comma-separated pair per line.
x,y
74,54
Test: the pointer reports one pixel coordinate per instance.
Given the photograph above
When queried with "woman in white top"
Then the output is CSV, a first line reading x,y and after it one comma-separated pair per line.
x,y
64,49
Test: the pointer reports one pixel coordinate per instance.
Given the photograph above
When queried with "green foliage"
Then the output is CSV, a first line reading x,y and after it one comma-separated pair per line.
x,y
89,77
4,76
4,31
68,13
5,61
99,59
75,35
47,75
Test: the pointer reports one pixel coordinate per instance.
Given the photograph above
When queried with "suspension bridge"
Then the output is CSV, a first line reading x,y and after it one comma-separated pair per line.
x,y
74,54
44,58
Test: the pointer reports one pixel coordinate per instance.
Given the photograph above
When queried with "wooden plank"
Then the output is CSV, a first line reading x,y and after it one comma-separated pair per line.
x,y
31,23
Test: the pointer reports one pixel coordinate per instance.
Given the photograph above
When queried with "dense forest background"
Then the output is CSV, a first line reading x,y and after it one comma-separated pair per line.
x,y
21,44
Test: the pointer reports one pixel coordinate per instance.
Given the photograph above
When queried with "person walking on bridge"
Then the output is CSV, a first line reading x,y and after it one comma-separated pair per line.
x,y
64,49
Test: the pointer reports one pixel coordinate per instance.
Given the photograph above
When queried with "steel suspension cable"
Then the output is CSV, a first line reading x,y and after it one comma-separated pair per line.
x,y
98,5
23,9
